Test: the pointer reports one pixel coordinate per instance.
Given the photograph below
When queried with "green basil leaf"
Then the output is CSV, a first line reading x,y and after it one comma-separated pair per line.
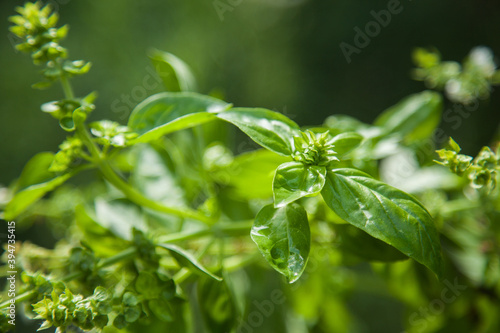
x,y
161,309
165,113
250,175
153,177
283,237
36,171
294,180
148,285
386,213
219,311
345,142
175,73
101,240
32,194
270,129
372,249
415,117
186,259
119,216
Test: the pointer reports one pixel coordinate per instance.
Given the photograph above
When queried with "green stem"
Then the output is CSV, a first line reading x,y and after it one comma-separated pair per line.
x,y
460,205
114,179
226,229
130,192
66,86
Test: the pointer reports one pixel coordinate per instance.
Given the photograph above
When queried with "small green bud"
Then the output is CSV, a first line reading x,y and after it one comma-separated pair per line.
x,y
486,158
129,299
313,149
101,320
120,322
481,178
111,133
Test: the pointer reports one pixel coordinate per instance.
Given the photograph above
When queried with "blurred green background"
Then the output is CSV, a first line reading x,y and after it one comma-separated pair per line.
x,y
282,54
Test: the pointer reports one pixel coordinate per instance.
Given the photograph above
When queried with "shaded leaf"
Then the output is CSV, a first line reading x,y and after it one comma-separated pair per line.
x,y
175,73
283,237
32,194
355,242
186,259
218,308
101,240
162,309
36,171
250,175
148,285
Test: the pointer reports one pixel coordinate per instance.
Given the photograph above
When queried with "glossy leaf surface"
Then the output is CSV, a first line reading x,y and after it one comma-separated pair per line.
x,y
294,180
385,213
165,113
283,237
270,129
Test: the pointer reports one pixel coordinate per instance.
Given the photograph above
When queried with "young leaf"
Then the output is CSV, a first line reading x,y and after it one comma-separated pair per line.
x,y
162,309
250,175
32,194
186,259
219,311
101,240
372,249
153,177
148,285
414,118
270,129
175,73
119,216
294,180
385,213
283,237
165,113
345,142
36,171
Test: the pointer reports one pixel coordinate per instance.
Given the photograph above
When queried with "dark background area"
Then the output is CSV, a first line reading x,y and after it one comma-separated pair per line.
x,y
283,55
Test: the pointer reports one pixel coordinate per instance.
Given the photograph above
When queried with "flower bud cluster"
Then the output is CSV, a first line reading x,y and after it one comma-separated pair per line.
x,y
313,149
481,171
462,83
65,309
